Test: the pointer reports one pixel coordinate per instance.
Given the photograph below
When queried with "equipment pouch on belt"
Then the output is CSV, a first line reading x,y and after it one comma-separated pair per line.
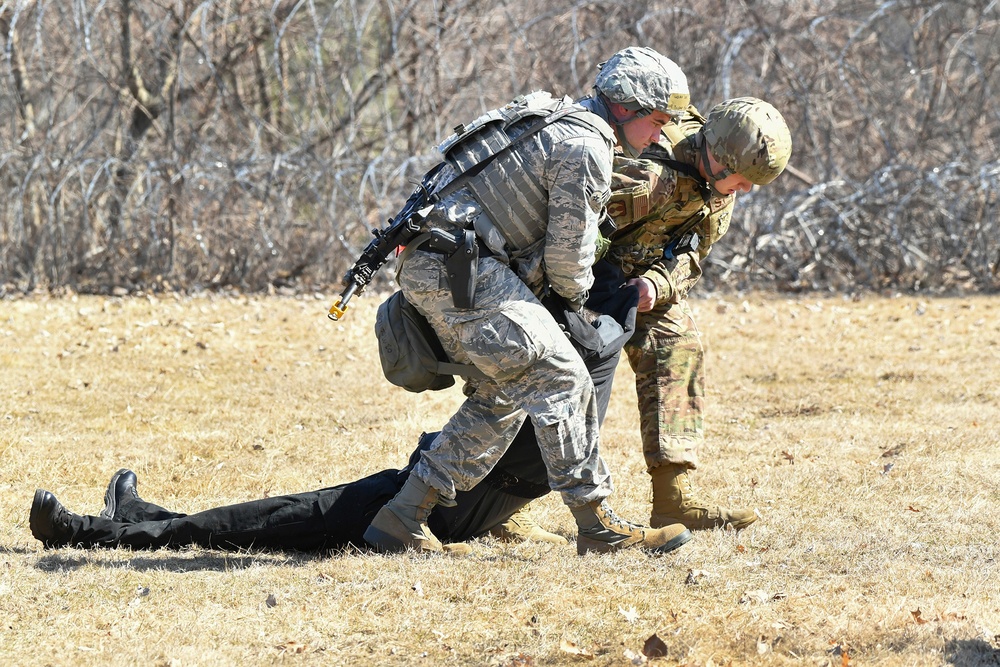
x,y
461,251
412,356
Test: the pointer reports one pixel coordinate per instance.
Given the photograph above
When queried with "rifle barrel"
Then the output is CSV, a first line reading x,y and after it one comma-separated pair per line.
x,y
338,309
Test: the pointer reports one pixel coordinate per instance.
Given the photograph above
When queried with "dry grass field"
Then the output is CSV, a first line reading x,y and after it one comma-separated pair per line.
x,y
863,431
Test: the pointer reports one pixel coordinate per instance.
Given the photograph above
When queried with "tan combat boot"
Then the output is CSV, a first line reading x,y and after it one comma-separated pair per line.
x,y
600,529
521,527
402,523
674,502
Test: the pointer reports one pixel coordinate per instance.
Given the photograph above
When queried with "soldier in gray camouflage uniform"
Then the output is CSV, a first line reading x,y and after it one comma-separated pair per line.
x,y
536,209
688,179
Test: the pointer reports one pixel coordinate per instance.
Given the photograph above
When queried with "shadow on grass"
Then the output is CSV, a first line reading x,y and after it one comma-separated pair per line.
x,y
220,561
209,561
15,550
971,653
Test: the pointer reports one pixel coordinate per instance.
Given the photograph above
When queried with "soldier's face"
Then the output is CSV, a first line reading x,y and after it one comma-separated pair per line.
x,y
732,184
641,132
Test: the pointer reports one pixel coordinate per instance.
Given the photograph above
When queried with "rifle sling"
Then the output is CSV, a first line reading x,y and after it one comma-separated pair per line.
x,y
460,180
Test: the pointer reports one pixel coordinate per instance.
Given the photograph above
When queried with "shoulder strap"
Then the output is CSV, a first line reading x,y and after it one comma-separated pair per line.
x,y
532,130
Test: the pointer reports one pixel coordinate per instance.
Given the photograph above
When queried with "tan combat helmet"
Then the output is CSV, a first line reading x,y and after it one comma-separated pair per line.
x,y
749,137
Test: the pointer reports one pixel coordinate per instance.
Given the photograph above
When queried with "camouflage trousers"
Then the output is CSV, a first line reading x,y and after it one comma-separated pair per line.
x,y
668,359
533,372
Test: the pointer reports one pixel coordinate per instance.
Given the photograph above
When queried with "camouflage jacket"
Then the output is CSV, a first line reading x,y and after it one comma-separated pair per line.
x,y
651,200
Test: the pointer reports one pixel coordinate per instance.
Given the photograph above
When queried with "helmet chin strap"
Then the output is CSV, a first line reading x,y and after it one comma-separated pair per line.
x,y
627,148
619,126
712,177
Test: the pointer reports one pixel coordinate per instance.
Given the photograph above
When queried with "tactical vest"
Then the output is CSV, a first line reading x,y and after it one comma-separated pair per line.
x,y
485,152
648,219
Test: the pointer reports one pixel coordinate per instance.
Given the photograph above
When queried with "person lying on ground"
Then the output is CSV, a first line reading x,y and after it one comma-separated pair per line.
x,y
337,517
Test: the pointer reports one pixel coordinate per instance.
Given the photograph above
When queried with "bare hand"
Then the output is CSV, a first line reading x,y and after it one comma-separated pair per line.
x,y
647,293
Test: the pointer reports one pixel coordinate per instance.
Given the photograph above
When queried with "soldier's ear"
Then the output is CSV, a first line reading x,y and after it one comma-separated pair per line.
x,y
621,114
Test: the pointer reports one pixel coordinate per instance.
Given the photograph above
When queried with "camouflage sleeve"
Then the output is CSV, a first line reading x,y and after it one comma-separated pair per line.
x,y
579,172
661,278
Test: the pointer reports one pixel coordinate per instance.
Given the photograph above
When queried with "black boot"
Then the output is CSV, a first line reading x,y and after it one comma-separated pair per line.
x,y
121,490
50,522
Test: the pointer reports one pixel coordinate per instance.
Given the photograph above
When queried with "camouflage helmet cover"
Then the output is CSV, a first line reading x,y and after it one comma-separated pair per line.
x,y
749,137
639,78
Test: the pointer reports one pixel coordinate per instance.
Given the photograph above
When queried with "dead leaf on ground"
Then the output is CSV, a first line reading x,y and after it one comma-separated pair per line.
x,y
894,451
761,596
918,617
566,646
520,660
292,647
837,649
654,647
695,576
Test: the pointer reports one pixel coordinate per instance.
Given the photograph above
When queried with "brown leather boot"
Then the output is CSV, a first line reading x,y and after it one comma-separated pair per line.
x,y
601,530
401,524
674,502
522,527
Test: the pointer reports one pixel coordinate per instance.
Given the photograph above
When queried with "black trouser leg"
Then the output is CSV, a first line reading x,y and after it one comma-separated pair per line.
x,y
324,519
289,522
138,510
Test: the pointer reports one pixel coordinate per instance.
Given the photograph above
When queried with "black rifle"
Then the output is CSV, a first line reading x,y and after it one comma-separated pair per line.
x,y
400,231
461,248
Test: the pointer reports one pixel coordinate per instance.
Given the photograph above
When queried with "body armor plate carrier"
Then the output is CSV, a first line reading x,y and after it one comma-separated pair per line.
x,y
508,194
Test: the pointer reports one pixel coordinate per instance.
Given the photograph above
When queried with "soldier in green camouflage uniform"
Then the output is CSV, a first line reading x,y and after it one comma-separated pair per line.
x,y
687,180
546,203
